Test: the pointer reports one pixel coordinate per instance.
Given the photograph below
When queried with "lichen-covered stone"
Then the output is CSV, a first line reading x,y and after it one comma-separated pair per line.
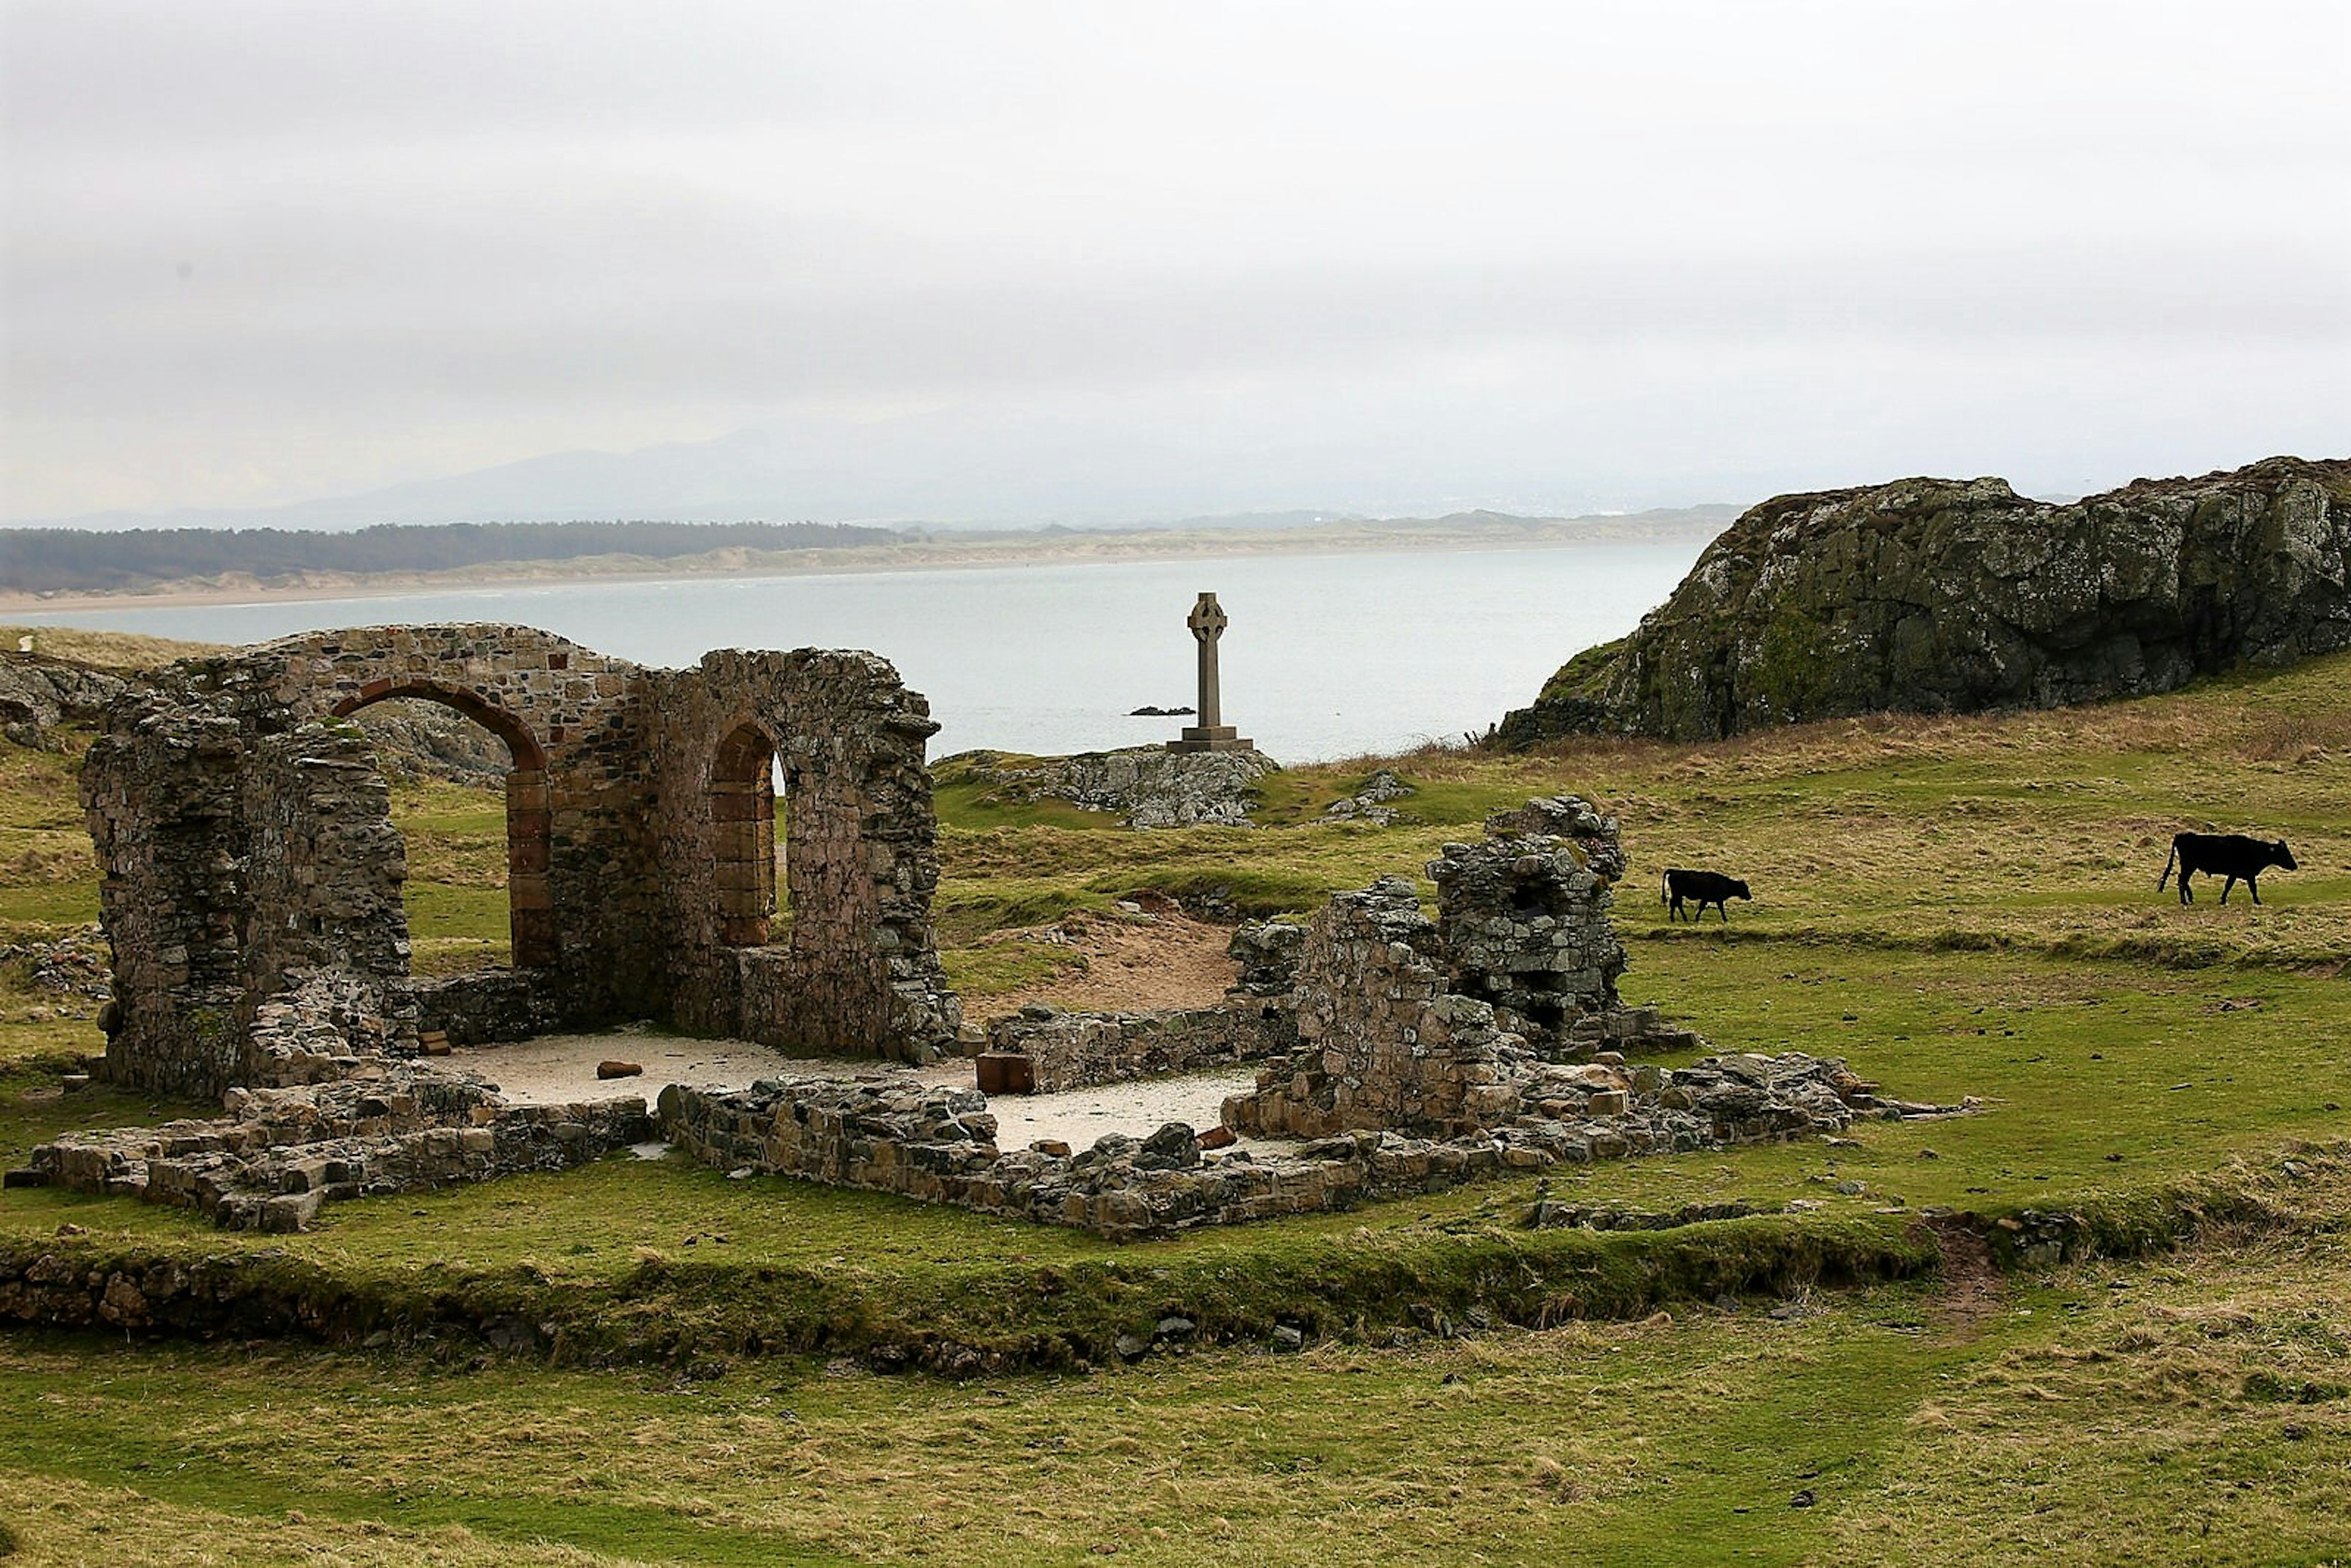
x,y
38,692
1948,596
1150,787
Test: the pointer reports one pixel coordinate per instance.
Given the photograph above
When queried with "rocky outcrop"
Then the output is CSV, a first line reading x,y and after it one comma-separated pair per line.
x,y
1149,786
416,739
37,693
1947,596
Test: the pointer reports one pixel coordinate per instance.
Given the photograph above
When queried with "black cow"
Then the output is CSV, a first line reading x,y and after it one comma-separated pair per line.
x,y
1705,887
2230,855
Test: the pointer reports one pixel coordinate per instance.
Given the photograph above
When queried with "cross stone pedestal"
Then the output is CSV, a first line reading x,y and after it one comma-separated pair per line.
x,y
1218,737
1207,622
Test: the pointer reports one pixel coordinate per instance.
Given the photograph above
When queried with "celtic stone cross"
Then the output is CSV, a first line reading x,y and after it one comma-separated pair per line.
x,y
1207,622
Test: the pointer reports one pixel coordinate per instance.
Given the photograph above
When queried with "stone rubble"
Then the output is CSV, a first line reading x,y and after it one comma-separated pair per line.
x,y
278,1154
1369,804
73,965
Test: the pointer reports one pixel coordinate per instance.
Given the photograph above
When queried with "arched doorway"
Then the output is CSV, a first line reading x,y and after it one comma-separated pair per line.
x,y
743,835
529,822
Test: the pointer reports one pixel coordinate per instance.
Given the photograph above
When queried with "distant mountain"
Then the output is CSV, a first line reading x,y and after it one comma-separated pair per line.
x,y
948,470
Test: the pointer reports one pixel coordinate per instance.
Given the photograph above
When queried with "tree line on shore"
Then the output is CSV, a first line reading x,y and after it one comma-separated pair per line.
x,y
53,560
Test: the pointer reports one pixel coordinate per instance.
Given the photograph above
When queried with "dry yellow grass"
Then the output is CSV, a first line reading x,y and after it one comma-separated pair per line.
x,y
107,650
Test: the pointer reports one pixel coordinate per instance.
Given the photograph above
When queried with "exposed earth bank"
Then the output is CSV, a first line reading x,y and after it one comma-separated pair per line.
x,y
1955,596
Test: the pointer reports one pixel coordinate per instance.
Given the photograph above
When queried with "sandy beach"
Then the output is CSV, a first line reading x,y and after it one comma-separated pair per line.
x,y
1006,551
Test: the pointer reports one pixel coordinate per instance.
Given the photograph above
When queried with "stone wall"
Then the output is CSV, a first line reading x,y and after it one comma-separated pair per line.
x,y
1434,1026
161,795
244,832
1382,1043
855,968
487,1006
1075,1050
890,1133
1267,953
1523,917
240,867
279,1154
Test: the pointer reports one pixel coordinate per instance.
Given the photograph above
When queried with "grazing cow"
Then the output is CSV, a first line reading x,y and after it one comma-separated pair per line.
x,y
1704,887
2230,855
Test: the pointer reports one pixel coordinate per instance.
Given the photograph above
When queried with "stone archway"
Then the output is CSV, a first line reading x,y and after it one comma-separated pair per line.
x,y
529,820
251,858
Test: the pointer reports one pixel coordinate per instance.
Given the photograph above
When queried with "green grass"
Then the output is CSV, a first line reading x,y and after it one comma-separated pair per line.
x,y
1961,907
2197,1413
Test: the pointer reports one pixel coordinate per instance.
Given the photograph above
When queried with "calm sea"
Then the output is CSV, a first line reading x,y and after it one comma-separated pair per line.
x,y
1327,656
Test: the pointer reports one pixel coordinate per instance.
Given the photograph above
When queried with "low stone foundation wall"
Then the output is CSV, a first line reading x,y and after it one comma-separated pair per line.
x,y
489,1006
327,1024
279,1154
938,1145
1078,1051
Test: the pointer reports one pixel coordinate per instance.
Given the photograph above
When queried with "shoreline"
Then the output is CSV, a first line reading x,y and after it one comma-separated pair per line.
x,y
1084,549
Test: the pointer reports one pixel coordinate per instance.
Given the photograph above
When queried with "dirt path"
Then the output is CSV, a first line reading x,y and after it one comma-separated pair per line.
x,y
1155,957
1973,1288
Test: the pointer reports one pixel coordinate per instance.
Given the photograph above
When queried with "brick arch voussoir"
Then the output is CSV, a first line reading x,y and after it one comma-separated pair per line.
x,y
521,744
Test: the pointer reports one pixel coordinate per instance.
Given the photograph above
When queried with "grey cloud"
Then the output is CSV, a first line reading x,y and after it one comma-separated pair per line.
x,y
398,220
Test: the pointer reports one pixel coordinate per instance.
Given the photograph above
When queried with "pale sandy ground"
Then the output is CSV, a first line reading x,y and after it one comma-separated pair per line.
x,y
561,1070
1159,959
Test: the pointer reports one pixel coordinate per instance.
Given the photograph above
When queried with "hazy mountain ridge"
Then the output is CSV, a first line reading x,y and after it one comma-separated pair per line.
x,y
948,470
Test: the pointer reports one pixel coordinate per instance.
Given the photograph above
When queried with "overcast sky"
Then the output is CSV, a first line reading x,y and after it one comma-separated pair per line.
x,y
1540,255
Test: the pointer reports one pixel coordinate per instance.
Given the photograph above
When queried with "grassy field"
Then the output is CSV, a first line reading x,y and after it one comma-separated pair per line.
x,y
1960,907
